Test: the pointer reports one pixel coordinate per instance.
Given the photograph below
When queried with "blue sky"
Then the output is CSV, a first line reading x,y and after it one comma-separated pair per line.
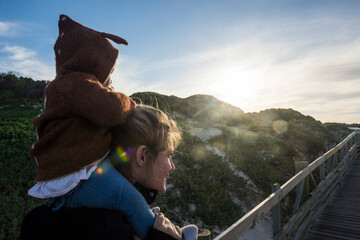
x,y
255,55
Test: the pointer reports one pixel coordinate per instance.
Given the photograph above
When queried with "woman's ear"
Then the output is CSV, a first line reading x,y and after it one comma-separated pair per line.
x,y
141,156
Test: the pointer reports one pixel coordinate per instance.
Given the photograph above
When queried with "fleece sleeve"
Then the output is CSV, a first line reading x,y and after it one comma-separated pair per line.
x,y
99,104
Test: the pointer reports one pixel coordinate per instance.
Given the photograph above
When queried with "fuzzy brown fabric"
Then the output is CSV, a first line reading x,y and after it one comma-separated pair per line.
x,y
78,107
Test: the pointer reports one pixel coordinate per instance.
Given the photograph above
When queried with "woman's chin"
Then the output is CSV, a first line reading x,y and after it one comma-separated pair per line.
x,y
160,187
162,190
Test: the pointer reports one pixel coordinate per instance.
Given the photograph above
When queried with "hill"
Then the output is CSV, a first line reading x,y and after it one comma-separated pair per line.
x,y
203,108
225,165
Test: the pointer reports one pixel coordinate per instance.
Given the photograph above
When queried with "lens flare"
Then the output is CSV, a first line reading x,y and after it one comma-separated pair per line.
x,y
99,170
280,126
123,155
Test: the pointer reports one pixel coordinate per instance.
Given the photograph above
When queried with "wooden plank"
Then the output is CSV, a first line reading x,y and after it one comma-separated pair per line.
x,y
341,218
304,228
287,231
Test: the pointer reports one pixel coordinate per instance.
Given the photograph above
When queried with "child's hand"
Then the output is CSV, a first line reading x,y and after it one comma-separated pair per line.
x,y
163,224
155,210
189,232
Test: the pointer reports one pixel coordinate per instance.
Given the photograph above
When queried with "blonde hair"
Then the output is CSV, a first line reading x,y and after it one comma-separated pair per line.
x,y
147,126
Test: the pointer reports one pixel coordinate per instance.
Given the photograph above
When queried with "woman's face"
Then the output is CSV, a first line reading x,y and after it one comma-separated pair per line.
x,y
162,168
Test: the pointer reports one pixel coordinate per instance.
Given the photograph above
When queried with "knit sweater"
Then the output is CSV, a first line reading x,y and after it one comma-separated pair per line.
x,y
73,129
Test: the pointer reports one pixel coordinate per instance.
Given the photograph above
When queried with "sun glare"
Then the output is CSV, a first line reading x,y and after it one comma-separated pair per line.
x,y
236,86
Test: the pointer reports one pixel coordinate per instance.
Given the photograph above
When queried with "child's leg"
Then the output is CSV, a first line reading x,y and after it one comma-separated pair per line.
x,y
107,188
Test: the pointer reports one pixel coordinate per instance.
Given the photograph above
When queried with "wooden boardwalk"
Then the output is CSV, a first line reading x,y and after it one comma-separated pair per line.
x,y
343,211
341,218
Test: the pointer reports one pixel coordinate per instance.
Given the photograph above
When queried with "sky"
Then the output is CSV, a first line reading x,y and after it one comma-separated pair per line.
x,y
255,55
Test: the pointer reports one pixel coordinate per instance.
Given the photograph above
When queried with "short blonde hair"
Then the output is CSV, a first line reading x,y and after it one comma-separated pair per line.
x,y
147,126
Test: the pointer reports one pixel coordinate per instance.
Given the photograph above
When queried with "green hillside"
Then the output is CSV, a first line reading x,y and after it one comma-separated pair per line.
x,y
225,165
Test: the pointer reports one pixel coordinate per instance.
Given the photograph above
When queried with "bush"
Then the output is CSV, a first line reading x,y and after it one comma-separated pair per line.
x,y
16,175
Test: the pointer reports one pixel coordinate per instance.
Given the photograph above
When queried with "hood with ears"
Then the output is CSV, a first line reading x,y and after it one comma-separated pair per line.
x,y
82,49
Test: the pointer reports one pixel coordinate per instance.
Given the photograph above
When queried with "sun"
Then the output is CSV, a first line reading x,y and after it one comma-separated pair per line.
x,y
235,85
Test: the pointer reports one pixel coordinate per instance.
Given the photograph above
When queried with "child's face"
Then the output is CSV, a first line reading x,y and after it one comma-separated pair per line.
x,y
162,168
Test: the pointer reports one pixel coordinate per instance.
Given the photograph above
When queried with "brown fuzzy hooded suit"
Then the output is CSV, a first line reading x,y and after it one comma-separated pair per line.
x,y
79,108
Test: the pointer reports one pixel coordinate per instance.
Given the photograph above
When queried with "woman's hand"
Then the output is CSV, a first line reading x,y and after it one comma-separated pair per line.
x,y
163,224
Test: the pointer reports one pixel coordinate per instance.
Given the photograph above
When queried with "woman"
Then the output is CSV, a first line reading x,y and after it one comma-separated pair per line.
x,y
149,137
141,151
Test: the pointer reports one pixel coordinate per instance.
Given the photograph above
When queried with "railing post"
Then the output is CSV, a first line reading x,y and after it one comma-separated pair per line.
x,y
276,214
302,190
339,154
322,169
330,164
336,159
347,147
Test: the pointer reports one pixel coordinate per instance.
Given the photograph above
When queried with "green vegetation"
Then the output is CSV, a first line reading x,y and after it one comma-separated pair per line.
x,y
17,171
15,112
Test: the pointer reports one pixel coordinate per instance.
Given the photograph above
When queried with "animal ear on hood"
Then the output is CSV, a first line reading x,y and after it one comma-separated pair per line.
x,y
114,38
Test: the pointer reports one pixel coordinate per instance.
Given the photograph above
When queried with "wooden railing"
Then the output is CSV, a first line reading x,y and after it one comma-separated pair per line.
x,y
337,160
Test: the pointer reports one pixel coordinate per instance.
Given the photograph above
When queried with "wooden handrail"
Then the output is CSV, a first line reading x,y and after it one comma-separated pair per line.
x,y
248,220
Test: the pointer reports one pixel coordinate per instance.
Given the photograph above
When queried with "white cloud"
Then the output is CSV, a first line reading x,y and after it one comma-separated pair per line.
x,y
9,29
18,53
24,61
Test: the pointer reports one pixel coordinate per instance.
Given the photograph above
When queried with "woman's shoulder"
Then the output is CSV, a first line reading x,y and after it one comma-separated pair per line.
x,y
75,223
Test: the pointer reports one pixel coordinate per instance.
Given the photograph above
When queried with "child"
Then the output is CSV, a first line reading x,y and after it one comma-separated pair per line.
x,y
73,134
